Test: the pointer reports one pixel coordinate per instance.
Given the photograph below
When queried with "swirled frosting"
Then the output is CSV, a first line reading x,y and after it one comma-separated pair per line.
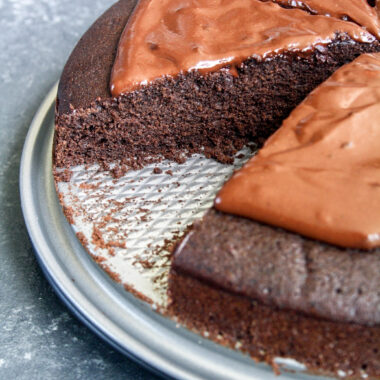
x,y
167,37
319,174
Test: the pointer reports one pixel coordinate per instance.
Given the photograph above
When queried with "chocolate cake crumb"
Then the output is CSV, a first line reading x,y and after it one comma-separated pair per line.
x,y
118,171
136,293
115,276
99,259
62,176
69,213
116,244
89,186
82,238
157,170
97,238
146,264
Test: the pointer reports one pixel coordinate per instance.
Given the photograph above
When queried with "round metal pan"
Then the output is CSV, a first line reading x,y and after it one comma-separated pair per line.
x,y
124,321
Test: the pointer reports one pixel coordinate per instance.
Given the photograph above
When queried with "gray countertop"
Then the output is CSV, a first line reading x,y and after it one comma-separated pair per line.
x,y
39,337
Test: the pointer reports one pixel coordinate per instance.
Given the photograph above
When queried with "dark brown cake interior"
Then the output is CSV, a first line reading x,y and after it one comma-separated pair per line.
x,y
325,347
283,269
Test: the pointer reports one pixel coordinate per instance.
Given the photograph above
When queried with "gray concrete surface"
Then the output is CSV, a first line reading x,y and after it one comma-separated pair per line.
x,y
39,338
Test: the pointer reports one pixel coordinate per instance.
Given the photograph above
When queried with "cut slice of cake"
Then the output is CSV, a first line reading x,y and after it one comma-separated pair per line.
x,y
241,271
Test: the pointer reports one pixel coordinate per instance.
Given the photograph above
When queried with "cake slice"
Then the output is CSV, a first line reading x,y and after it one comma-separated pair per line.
x,y
281,292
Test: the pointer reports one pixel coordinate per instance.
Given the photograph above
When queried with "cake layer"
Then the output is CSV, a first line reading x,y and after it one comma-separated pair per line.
x,y
282,269
342,350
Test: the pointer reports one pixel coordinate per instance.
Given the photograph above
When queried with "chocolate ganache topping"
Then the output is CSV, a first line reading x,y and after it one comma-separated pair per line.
x,y
319,174
358,11
168,37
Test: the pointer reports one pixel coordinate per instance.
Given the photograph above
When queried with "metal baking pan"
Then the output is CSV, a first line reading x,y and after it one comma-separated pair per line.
x,y
123,320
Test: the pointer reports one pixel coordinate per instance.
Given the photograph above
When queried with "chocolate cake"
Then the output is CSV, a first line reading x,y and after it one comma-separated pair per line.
x,y
213,98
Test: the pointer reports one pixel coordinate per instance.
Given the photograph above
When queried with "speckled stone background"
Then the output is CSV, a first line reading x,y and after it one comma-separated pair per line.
x,y
39,338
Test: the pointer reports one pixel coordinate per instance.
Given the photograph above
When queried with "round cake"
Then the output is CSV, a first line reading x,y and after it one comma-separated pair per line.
x,y
179,78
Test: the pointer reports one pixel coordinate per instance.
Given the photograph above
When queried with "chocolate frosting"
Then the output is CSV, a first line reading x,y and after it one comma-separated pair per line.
x,y
167,37
319,174
358,11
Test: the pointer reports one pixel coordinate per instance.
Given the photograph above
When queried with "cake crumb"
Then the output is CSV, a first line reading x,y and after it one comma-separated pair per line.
x,y
69,213
62,176
118,171
157,170
82,238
